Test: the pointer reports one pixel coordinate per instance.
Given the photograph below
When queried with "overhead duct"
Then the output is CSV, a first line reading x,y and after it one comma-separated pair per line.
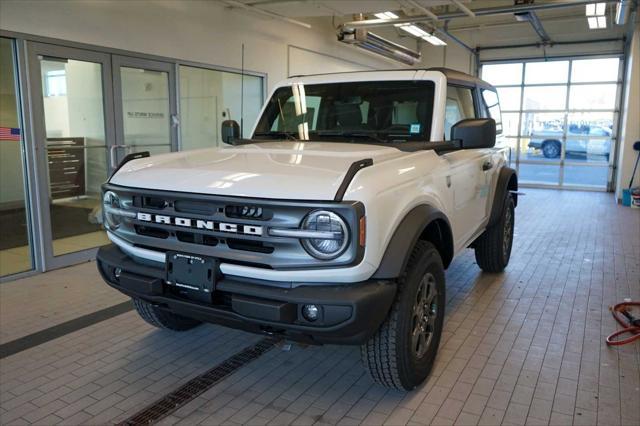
x,y
532,18
370,42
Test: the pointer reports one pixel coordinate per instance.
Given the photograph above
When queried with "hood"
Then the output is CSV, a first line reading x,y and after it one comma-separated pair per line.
x,y
278,170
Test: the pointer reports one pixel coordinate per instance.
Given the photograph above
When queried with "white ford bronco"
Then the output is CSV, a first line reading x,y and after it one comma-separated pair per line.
x,y
333,223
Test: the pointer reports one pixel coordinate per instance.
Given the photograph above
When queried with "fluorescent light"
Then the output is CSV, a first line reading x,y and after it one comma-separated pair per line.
x,y
420,33
386,15
413,30
595,9
434,40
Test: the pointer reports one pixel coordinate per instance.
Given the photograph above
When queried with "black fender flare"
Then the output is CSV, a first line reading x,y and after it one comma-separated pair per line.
x,y
422,222
507,181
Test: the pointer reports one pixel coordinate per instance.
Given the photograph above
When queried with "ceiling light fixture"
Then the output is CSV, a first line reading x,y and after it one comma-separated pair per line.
x,y
416,31
386,15
596,17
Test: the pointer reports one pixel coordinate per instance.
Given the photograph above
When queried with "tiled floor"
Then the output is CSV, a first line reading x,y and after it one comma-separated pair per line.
x,y
521,347
18,259
33,304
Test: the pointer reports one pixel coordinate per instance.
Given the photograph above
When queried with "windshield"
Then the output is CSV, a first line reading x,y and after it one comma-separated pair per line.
x,y
378,111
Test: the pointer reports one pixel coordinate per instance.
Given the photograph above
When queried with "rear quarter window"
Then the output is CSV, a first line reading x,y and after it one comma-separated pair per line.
x,y
492,105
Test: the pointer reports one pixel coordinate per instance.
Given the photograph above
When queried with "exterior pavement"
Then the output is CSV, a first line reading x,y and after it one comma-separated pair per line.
x,y
525,346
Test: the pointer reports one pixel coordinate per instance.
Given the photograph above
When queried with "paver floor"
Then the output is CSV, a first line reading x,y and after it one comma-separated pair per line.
x,y
522,347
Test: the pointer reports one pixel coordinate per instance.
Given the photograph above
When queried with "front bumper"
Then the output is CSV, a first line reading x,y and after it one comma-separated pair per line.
x,y
349,313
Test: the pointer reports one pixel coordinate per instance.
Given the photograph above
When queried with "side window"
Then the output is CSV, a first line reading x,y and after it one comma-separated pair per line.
x,y
459,105
492,104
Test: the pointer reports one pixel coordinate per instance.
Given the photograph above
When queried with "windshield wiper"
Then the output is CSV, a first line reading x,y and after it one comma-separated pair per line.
x,y
277,135
367,135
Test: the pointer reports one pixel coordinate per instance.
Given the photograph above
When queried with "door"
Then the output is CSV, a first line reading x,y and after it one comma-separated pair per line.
x,y
470,175
145,107
71,110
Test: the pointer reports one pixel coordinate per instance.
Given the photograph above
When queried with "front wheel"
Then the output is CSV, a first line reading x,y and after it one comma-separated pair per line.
x,y
493,247
163,319
402,352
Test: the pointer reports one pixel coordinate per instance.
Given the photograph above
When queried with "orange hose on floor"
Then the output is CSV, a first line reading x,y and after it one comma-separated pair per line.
x,y
630,324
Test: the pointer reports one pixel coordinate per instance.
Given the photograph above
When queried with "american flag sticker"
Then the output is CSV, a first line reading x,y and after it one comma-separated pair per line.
x,y
9,134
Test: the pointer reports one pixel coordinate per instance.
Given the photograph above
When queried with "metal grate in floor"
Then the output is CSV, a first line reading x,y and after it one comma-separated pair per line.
x,y
196,386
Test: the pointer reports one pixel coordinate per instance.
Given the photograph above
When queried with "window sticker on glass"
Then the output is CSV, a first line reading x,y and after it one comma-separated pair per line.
x,y
415,128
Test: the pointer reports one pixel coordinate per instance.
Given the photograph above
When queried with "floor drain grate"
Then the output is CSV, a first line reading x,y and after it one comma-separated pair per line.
x,y
196,386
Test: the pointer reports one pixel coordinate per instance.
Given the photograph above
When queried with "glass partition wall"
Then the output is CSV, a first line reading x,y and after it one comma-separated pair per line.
x,y
89,107
208,97
560,118
15,241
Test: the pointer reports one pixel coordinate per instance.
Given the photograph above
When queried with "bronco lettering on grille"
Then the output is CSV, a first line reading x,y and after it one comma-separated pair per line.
x,y
201,224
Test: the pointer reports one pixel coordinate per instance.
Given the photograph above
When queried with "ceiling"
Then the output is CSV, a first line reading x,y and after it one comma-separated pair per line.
x,y
561,24
317,8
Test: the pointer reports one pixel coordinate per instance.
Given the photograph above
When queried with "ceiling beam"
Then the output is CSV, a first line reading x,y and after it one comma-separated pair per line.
x,y
234,3
422,9
464,8
490,11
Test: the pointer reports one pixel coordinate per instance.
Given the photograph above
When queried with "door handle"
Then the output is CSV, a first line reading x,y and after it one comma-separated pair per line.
x,y
487,165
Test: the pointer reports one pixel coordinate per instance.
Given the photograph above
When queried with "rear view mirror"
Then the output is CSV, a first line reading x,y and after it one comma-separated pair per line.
x,y
230,131
475,132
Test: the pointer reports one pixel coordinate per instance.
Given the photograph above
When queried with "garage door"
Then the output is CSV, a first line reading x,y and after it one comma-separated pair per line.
x,y
560,118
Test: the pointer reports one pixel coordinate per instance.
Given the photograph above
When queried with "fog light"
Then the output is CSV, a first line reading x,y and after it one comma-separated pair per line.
x,y
117,272
310,312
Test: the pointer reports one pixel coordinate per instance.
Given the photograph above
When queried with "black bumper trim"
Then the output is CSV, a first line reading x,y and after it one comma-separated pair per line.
x,y
349,313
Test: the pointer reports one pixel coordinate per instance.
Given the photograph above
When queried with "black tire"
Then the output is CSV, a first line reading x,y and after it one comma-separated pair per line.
x,y
493,247
551,149
394,356
163,319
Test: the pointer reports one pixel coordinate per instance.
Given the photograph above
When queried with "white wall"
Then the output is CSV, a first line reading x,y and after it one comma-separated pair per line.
x,y
201,31
630,118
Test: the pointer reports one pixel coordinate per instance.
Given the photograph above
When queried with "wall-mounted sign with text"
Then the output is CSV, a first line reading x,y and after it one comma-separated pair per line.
x,y
139,114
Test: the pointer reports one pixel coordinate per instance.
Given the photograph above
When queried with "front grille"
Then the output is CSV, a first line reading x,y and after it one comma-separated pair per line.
x,y
232,229
193,238
247,245
150,231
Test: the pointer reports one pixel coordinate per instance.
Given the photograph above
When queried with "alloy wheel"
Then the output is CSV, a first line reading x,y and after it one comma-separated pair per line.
x,y
425,312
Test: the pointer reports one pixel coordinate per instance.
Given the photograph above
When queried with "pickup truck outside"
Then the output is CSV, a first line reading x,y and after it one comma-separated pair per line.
x,y
580,141
333,223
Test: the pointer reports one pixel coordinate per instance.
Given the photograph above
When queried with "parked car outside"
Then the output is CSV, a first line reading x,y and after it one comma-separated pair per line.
x,y
550,141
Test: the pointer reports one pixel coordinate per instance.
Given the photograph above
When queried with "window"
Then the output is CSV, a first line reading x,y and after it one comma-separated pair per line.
x,y
56,83
208,97
559,117
391,110
459,105
492,104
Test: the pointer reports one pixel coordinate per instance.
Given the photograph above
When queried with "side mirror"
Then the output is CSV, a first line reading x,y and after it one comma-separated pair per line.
x,y
230,131
475,132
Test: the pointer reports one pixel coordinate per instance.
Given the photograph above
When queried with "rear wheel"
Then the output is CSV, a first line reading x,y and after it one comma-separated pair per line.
x,y
551,149
402,352
493,247
163,319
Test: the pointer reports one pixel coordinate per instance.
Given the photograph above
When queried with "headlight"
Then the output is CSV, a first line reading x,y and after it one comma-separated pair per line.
x,y
325,221
111,202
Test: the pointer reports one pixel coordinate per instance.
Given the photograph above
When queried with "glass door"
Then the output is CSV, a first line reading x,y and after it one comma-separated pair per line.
x,y
145,107
15,230
72,104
